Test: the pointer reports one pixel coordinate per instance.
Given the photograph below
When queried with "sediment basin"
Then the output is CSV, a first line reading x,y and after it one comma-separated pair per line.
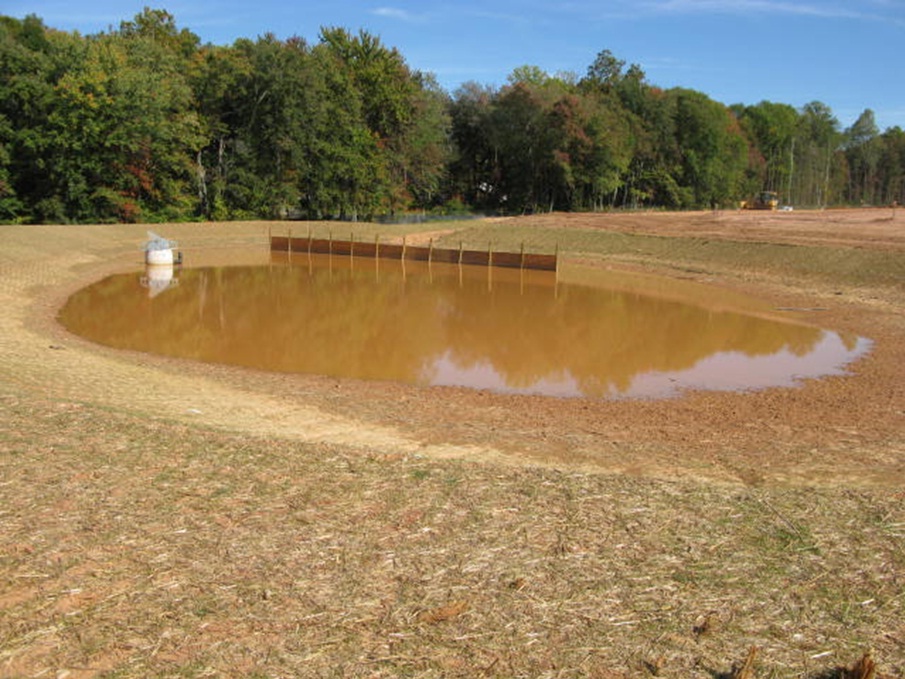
x,y
575,333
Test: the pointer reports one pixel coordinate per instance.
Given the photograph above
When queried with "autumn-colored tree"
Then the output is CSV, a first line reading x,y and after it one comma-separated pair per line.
x,y
772,129
145,123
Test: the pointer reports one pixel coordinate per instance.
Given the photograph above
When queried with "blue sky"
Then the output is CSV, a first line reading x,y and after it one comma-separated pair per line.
x,y
849,55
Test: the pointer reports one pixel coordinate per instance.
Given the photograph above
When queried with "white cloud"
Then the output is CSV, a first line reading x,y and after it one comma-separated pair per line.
x,y
767,8
396,13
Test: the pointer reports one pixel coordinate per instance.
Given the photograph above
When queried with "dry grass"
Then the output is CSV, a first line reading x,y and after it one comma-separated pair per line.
x,y
147,548
137,540
696,252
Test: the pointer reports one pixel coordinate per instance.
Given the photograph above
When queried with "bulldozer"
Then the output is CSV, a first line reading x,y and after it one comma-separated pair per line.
x,y
765,200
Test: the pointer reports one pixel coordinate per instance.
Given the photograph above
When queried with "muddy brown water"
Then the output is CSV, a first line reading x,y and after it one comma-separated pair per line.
x,y
572,333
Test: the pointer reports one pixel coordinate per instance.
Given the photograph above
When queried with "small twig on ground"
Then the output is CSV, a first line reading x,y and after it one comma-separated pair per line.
x,y
746,671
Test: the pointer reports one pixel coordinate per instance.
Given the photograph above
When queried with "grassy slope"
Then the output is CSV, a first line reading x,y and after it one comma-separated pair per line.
x,y
151,549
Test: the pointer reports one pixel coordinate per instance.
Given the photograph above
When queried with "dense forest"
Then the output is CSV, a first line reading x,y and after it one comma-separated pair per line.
x,y
144,123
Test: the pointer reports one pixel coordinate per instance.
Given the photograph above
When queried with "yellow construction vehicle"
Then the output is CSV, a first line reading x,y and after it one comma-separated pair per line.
x,y
765,200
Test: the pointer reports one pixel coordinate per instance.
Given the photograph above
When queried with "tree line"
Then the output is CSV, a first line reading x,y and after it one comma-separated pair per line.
x,y
144,123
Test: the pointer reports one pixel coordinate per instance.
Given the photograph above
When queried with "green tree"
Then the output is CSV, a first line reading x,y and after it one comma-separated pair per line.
x,y
425,145
643,126
219,76
31,60
268,117
523,145
380,74
605,72
397,106
144,123
819,170
531,76
891,167
772,128
159,26
11,208
863,150
473,167
347,174
714,150
591,151
103,127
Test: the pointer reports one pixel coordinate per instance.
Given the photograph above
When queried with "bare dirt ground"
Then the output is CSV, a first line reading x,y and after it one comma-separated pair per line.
x,y
575,537
874,228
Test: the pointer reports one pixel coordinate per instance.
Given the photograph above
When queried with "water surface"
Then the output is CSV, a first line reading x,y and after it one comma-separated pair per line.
x,y
598,335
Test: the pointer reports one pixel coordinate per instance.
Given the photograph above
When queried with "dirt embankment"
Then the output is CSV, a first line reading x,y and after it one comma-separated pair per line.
x,y
840,430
